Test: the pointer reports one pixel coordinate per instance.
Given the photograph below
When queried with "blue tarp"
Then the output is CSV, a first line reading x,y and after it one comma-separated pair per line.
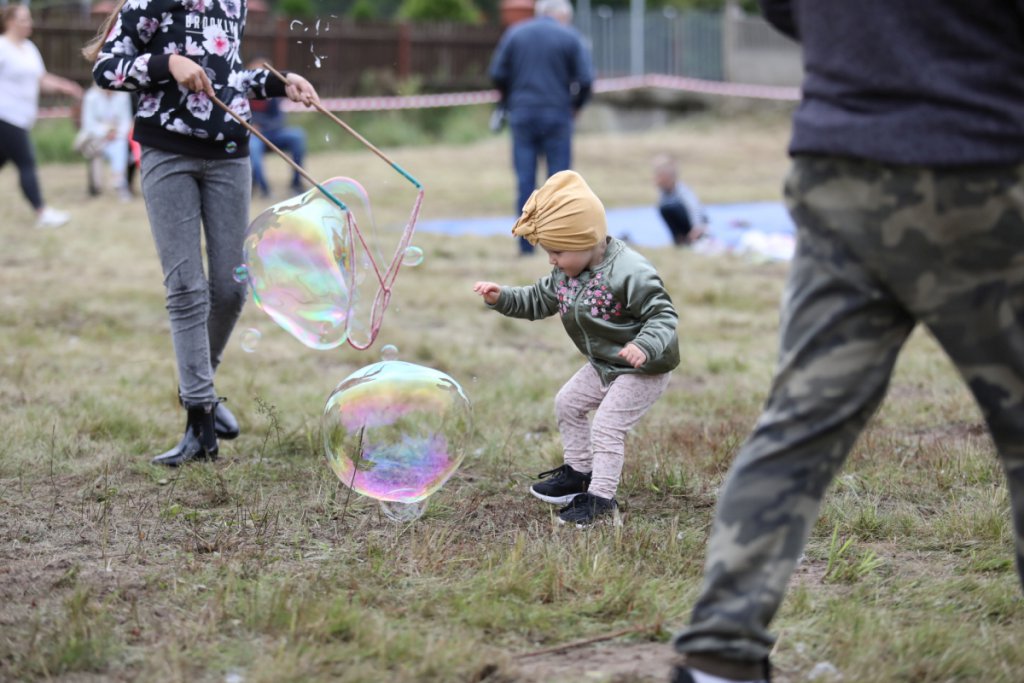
x,y
759,228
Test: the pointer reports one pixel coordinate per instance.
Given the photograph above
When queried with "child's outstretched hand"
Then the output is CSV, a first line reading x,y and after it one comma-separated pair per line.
x,y
488,290
633,354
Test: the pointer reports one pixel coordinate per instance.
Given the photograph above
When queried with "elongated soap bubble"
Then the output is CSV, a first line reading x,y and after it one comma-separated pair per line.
x,y
403,512
396,431
298,258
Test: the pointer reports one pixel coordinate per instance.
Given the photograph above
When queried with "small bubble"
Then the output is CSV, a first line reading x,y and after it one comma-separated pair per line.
x,y
413,256
241,273
327,137
389,352
231,147
251,339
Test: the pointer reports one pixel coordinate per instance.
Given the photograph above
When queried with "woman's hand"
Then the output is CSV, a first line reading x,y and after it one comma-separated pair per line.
x,y
298,89
189,74
633,355
488,290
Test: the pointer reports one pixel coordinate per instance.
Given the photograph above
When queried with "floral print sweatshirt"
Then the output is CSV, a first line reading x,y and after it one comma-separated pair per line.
x,y
136,57
620,300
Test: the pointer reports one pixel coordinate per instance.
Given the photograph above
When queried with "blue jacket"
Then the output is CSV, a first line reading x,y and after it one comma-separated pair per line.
x,y
539,63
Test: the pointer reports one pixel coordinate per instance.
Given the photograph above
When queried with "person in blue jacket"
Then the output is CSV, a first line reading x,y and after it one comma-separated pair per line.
x,y
544,75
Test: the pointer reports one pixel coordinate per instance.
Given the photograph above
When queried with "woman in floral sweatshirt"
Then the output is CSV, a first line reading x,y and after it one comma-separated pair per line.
x,y
176,55
615,308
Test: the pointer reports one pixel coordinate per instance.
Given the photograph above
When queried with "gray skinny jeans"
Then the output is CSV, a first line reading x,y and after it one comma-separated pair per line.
x,y
188,198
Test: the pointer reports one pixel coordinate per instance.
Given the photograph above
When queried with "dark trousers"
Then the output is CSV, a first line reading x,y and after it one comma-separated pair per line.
x,y
16,146
677,219
290,140
537,132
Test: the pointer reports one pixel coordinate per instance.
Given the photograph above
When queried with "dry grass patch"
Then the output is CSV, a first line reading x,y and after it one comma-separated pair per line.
x,y
262,567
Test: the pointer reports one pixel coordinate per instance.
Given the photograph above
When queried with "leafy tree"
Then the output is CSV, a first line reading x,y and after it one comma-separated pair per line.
x,y
363,10
439,10
299,9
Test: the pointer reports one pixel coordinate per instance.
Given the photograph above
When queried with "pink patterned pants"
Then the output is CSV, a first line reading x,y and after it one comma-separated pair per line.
x,y
598,445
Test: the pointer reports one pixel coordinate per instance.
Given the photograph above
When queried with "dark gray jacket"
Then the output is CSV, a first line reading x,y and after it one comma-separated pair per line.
x,y
918,82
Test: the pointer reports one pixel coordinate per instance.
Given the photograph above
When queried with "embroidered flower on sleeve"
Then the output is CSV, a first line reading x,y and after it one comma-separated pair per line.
x,y
166,21
199,105
137,4
215,40
172,48
195,6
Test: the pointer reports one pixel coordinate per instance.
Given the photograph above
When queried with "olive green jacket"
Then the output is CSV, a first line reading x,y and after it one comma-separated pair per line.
x,y
621,300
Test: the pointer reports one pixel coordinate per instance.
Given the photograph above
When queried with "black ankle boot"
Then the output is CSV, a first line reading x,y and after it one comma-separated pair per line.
x,y
199,441
225,424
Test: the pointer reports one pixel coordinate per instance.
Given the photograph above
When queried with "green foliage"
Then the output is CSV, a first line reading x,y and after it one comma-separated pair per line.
x,y
363,10
297,9
463,11
53,139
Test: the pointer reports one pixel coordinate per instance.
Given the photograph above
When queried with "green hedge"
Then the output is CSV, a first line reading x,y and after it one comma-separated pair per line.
x,y
53,138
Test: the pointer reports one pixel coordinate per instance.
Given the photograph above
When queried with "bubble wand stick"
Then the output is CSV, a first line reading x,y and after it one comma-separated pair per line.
x,y
386,279
298,169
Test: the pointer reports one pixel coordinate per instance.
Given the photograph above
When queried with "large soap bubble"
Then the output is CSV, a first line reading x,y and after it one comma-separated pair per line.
x,y
299,263
395,432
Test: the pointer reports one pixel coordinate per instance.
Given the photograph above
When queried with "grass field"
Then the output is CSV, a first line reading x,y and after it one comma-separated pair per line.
x,y
255,569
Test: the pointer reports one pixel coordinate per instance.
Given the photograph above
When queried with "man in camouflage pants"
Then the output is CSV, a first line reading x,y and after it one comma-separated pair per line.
x,y
907,188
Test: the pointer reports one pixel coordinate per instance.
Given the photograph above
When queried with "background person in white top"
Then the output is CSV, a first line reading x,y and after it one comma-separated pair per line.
x,y
106,119
22,75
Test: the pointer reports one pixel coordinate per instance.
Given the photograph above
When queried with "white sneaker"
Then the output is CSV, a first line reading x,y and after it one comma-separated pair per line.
x,y
52,218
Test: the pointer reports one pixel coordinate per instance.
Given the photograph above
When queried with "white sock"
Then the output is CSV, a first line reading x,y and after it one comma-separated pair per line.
x,y
701,677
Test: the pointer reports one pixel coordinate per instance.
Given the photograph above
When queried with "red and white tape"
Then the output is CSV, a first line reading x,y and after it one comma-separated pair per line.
x,y
458,99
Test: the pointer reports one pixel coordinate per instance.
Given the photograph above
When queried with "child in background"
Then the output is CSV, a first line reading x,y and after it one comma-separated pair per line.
x,y
106,122
196,178
678,204
616,310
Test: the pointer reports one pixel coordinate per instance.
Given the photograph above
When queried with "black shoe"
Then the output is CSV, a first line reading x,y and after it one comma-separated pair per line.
x,y
225,424
198,443
586,508
564,484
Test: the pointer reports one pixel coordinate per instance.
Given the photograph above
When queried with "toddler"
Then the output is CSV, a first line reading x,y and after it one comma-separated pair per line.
x,y
616,310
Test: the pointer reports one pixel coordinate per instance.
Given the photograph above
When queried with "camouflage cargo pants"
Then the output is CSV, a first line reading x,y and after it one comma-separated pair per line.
x,y
880,249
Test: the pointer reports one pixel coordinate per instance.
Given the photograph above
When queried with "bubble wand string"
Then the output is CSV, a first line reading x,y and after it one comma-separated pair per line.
x,y
298,169
386,280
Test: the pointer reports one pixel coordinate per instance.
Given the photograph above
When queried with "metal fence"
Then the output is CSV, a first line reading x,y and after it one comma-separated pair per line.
x,y
674,43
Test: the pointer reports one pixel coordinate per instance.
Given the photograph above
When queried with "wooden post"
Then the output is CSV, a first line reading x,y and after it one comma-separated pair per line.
x,y
404,51
281,43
